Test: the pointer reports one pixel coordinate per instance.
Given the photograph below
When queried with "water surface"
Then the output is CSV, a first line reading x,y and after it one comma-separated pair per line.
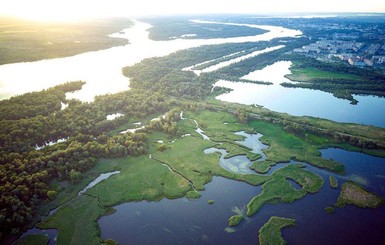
x,y
301,102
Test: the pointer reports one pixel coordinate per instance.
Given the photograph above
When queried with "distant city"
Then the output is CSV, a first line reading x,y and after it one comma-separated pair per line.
x,y
357,45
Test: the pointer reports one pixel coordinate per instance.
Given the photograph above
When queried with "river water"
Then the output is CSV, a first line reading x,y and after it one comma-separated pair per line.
x,y
102,72
299,102
102,69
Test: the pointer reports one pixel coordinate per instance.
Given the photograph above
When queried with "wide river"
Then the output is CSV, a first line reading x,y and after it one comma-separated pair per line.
x,y
102,69
102,72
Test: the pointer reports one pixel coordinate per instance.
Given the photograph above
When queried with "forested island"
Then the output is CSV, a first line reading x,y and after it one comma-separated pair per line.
x,y
156,145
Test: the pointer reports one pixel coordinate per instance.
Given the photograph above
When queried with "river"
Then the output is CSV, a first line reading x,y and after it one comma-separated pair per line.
x,y
370,110
102,69
102,72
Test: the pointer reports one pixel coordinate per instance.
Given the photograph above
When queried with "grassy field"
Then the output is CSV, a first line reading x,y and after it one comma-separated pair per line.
x,y
278,189
235,220
262,167
285,147
312,73
270,233
333,182
76,222
352,193
34,239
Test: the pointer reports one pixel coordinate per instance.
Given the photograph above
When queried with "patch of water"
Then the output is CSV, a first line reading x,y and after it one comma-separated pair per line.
x,y
97,180
50,143
114,116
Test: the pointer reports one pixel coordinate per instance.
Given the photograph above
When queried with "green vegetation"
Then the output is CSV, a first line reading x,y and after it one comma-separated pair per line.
x,y
285,147
308,74
81,212
193,195
352,193
262,167
235,220
329,210
110,242
270,233
333,182
340,79
179,27
34,239
278,189
22,41
34,180
210,202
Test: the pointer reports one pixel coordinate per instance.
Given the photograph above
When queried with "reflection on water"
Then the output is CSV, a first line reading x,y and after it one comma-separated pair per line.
x,y
182,221
274,73
102,69
97,181
241,164
299,102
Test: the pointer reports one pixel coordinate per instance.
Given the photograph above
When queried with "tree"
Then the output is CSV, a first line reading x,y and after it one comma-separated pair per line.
x,y
51,194
75,176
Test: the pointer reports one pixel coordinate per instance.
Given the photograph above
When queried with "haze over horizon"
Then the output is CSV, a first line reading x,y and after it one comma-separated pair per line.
x,y
48,10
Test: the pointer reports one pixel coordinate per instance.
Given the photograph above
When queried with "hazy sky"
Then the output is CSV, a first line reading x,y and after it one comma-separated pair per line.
x,y
74,9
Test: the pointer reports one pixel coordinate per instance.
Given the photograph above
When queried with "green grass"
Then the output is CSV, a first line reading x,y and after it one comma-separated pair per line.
x,y
235,149
140,178
110,242
235,220
285,147
76,221
329,210
333,182
279,190
193,195
270,233
262,167
67,191
354,194
34,239
311,74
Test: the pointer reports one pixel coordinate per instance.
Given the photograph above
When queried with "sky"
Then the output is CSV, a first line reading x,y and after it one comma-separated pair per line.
x,y
57,10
